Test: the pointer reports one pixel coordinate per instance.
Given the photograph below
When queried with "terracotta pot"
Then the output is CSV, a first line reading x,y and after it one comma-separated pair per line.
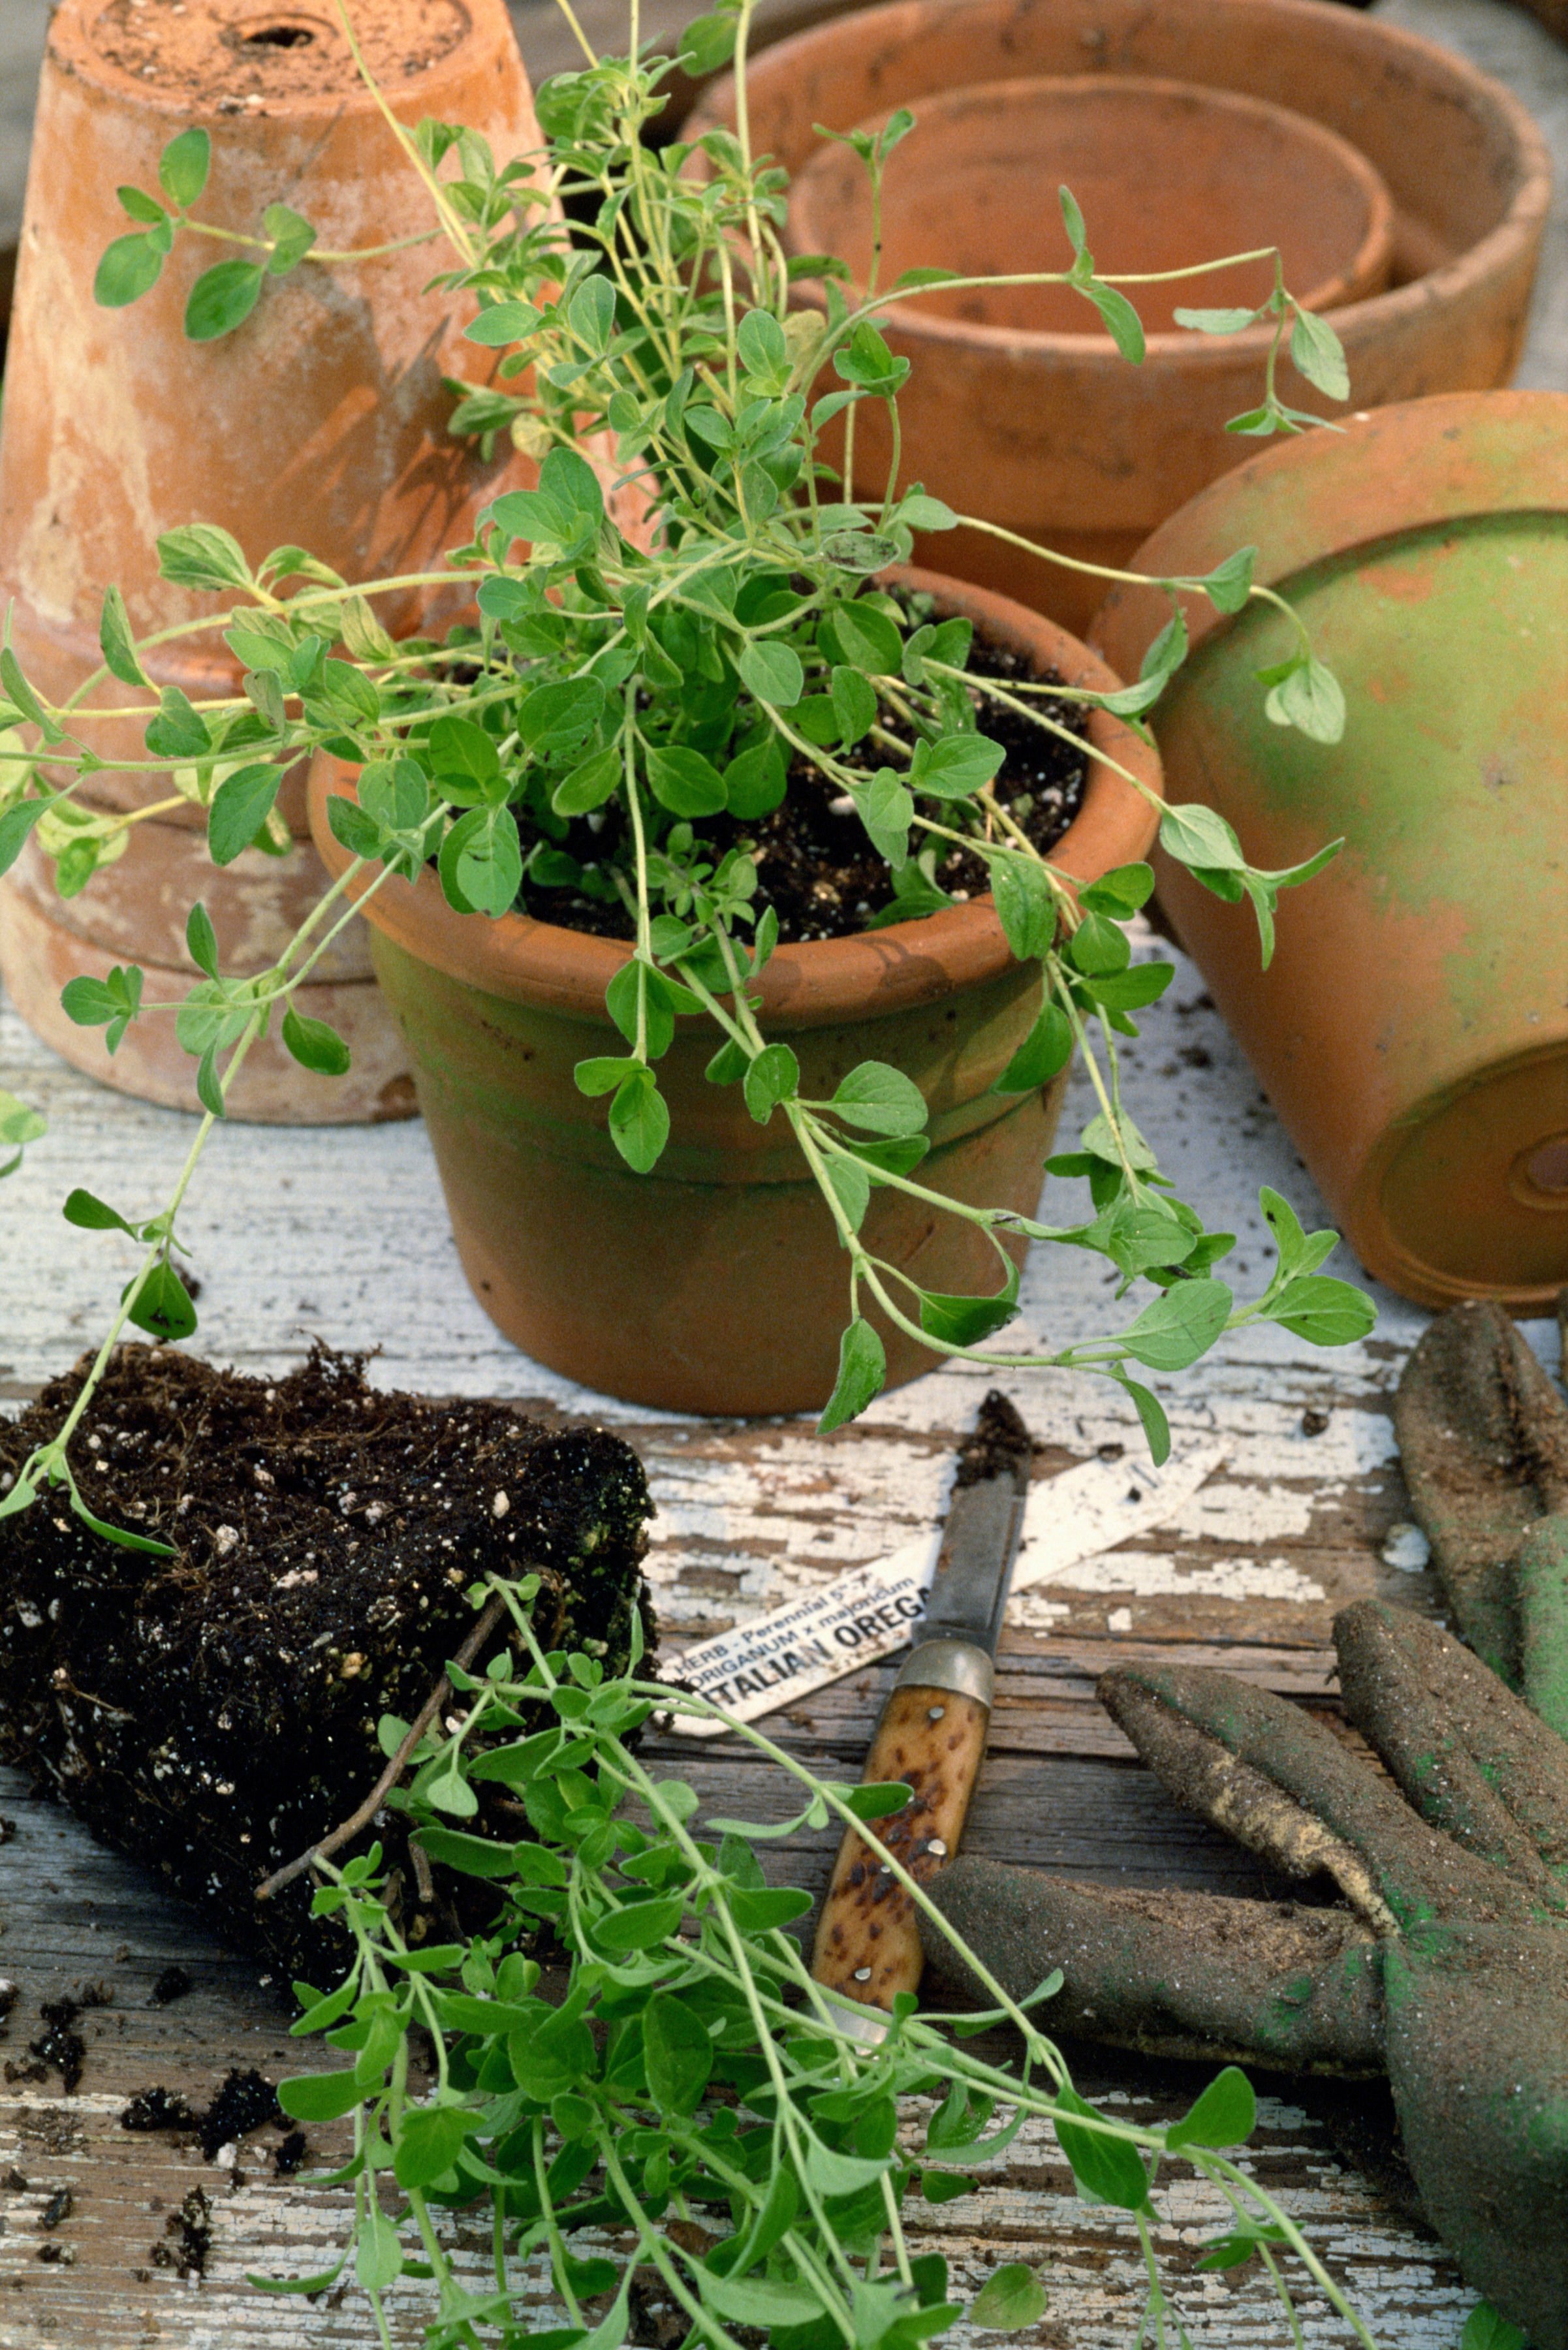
x,y
321,422
1412,1031
716,1283
1055,436
1163,171
780,20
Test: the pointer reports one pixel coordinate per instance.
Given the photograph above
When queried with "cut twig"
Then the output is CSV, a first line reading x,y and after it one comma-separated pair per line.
x,y
351,1827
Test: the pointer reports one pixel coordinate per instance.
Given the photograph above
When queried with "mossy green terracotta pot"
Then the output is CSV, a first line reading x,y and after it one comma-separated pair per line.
x,y
1412,1031
716,1283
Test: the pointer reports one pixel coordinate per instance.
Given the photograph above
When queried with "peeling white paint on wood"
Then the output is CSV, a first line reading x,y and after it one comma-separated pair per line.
x,y
342,1235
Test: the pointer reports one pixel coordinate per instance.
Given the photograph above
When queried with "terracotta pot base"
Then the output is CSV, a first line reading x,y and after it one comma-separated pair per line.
x,y
38,957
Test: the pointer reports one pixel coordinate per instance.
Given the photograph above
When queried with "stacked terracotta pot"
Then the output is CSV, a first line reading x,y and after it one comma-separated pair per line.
x,y
1406,191
321,422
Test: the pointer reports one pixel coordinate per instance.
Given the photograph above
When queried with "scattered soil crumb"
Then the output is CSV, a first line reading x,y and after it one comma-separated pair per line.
x,y
158,2109
292,2155
998,1440
95,1994
247,2102
54,2254
60,2206
12,2181
58,2046
172,1984
192,2228
7,1830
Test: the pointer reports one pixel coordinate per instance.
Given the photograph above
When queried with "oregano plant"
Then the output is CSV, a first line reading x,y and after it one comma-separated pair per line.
x,y
625,703
685,2113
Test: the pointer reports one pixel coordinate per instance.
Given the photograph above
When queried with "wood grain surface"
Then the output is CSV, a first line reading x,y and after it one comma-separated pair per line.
x,y
299,1234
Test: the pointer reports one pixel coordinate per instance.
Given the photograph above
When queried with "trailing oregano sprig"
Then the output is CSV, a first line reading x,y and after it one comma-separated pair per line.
x,y
689,602
686,2103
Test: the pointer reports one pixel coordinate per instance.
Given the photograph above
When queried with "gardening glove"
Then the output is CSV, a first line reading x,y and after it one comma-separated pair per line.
x,y
1449,1969
1483,1436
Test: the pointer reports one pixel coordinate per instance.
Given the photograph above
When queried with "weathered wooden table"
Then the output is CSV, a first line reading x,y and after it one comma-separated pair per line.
x,y
343,1236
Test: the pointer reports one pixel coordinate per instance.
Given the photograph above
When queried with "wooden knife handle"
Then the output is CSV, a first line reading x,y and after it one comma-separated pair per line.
x,y
933,1738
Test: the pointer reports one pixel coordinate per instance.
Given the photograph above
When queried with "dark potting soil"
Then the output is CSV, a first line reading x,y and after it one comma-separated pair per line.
x,y
998,1440
815,865
246,2102
215,1713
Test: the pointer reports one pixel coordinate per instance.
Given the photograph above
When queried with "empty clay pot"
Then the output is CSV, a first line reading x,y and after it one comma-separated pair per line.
x,y
1412,1031
1164,174
321,422
716,1283
1056,437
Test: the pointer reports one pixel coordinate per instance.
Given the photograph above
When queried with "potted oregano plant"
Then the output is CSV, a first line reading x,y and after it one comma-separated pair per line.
x,y
624,755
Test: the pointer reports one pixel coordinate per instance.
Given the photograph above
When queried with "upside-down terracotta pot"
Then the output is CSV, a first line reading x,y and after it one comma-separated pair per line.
x,y
1412,1031
716,1283
1051,434
321,422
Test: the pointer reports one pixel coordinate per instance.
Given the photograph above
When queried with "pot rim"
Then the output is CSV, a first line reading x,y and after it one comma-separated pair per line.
x,y
923,324
1524,220
1424,458
818,982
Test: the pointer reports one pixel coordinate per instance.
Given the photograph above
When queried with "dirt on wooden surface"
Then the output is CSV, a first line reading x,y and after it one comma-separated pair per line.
x,y
215,1711
997,1442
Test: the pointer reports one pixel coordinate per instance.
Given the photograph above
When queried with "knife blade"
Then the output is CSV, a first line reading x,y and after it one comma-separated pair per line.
x,y
931,1733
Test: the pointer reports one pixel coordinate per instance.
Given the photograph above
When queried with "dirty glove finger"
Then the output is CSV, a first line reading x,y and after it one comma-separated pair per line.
x,y
1477,2026
1541,1587
1483,1438
1278,1782
1171,1975
1471,1756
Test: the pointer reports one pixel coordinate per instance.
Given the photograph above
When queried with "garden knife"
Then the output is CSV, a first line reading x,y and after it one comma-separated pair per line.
x,y
931,1735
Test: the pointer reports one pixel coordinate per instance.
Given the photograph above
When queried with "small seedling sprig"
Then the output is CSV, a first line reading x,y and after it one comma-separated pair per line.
x,y
686,2068
664,674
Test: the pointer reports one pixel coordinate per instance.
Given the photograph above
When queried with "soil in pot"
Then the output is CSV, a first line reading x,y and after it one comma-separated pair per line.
x,y
815,867
214,1713
1412,1029
1064,442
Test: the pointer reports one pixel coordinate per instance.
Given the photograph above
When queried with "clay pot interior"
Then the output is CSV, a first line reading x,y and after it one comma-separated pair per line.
x,y
1164,172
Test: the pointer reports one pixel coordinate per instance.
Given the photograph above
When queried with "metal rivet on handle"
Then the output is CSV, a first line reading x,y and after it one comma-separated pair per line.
x,y
938,1847
862,1974
935,1713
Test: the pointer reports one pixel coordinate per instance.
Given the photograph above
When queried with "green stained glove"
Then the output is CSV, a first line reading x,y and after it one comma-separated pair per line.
x,y
1483,1440
1448,1969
